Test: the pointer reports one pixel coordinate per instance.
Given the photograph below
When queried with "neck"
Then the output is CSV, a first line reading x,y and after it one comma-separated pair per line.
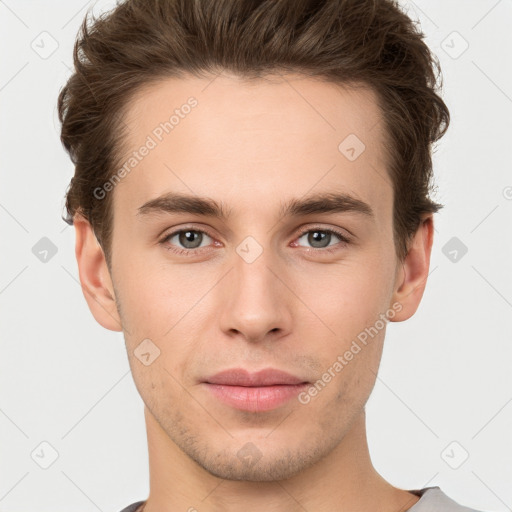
x,y
345,480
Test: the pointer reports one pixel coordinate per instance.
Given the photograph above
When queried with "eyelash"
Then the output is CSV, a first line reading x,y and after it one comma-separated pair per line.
x,y
344,240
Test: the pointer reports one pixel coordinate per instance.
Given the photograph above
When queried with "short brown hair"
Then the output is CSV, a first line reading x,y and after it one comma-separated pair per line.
x,y
368,42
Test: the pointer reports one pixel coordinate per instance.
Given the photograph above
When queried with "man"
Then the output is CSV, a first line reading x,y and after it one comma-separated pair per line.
x,y
251,208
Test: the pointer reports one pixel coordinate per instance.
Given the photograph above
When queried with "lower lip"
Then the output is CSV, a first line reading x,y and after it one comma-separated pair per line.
x,y
255,399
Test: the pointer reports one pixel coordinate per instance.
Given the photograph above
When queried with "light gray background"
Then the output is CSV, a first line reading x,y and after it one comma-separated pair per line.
x,y
445,375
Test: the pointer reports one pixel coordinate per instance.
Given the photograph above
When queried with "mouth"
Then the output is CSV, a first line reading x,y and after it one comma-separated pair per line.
x,y
254,392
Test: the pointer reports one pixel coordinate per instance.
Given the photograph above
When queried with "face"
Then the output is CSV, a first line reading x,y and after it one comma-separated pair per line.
x,y
291,264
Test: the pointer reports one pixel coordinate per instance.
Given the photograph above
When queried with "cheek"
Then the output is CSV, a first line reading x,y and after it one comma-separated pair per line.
x,y
155,296
347,297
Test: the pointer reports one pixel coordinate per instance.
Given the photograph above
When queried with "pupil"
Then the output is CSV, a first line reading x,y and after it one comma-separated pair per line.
x,y
314,239
187,237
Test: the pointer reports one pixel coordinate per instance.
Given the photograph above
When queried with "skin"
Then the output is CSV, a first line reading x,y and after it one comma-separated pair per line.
x,y
253,146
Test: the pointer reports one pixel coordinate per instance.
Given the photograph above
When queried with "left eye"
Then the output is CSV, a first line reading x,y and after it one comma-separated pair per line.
x,y
321,238
188,238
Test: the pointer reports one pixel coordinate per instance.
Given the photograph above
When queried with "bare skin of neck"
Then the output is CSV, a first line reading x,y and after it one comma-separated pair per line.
x,y
345,480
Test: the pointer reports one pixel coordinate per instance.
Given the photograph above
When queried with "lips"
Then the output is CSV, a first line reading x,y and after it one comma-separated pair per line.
x,y
266,377
254,392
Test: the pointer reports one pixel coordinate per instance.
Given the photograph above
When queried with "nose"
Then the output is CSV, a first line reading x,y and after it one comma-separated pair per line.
x,y
256,301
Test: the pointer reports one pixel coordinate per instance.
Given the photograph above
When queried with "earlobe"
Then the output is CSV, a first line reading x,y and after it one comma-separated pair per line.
x,y
95,276
412,277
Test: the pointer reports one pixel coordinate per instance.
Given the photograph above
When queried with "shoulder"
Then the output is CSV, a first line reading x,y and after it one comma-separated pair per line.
x,y
133,507
433,499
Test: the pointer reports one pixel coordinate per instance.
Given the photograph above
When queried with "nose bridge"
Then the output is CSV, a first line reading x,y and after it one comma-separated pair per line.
x,y
254,300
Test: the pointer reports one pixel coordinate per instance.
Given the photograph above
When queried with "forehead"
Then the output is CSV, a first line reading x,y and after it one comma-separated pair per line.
x,y
247,141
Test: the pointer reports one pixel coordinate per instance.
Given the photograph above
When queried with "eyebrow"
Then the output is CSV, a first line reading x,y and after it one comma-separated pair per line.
x,y
327,202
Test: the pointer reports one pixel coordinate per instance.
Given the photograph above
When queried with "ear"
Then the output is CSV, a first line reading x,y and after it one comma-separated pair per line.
x,y
95,276
412,273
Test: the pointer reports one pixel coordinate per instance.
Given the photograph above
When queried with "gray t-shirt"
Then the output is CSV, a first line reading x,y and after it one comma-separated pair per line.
x,y
432,499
